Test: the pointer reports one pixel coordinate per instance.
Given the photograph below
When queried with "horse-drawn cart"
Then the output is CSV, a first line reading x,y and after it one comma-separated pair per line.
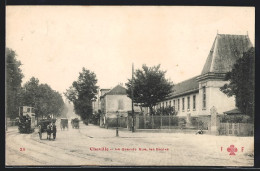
x,y
75,123
63,123
43,125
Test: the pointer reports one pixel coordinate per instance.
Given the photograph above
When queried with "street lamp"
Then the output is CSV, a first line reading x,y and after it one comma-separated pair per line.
x,y
117,115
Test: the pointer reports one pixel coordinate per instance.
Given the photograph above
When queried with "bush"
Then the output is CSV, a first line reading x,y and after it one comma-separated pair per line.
x,y
236,119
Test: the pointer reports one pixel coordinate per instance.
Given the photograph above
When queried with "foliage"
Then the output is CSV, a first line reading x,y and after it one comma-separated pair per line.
x,y
149,86
64,111
95,118
236,119
82,93
169,110
242,82
41,96
13,83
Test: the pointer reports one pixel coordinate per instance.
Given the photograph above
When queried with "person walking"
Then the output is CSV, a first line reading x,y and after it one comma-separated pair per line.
x,y
49,131
54,129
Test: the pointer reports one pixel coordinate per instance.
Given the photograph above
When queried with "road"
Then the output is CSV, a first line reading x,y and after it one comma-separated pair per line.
x,y
92,146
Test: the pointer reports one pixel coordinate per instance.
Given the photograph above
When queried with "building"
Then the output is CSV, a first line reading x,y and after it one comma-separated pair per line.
x,y
197,95
96,103
114,102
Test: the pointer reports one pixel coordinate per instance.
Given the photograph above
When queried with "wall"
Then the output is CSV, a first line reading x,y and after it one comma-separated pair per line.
x,y
214,97
120,103
185,111
103,105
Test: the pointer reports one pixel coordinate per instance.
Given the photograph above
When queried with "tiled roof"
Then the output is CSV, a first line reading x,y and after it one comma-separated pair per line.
x,y
225,50
117,90
187,86
233,111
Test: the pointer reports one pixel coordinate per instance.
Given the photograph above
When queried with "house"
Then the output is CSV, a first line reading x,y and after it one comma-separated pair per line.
x,y
197,95
114,102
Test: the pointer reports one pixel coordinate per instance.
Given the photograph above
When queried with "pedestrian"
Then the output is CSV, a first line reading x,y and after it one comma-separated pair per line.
x,y
49,131
54,131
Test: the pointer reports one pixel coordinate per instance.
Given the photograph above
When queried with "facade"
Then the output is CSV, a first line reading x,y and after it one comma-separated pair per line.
x,y
96,103
113,102
196,96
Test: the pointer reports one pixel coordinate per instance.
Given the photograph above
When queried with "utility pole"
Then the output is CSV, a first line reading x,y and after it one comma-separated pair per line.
x,y
132,94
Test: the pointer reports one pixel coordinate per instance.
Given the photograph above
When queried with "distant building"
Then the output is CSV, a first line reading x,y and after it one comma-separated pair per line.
x,y
197,95
96,103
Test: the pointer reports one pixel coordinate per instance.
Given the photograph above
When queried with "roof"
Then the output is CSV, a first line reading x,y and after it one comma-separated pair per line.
x,y
104,89
233,111
224,52
117,90
187,86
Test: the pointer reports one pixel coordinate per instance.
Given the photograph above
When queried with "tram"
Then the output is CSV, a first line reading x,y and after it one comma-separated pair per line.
x,y
26,123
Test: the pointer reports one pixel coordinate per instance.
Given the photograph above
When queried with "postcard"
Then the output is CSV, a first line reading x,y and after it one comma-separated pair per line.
x,y
129,86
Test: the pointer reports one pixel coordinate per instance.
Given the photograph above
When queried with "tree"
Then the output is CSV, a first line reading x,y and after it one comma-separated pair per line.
x,y
13,83
30,92
168,110
82,93
149,86
242,83
42,97
64,111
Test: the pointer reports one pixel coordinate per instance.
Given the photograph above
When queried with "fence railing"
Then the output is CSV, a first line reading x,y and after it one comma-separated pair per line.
x,y
171,122
178,122
112,122
12,123
237,129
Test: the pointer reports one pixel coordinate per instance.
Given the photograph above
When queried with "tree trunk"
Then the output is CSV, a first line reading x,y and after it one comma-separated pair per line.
x,y
151,112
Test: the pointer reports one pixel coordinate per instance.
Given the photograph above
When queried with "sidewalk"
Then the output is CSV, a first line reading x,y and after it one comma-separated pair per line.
x,y
11,129
94,131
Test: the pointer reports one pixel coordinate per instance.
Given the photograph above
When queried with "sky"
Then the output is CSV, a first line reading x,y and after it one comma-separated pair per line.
x,y
54,43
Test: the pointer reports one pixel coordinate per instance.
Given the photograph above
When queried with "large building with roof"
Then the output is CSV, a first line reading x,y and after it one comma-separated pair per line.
x,y
197,95
114,101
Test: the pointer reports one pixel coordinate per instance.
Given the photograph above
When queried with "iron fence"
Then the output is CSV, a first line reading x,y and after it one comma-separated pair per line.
x,y
169,122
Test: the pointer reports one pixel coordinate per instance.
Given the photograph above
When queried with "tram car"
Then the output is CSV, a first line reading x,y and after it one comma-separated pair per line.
x,y
26,122
75,123
64,123
42,125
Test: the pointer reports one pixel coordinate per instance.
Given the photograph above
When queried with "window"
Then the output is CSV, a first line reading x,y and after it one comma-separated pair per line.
x,y
166,104
183,106
163,104
178,104
174,103
204,97
188,107
170,103
194,102
120,104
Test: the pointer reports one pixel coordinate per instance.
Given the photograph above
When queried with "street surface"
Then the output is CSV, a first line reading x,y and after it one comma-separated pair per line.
x,y
91,145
